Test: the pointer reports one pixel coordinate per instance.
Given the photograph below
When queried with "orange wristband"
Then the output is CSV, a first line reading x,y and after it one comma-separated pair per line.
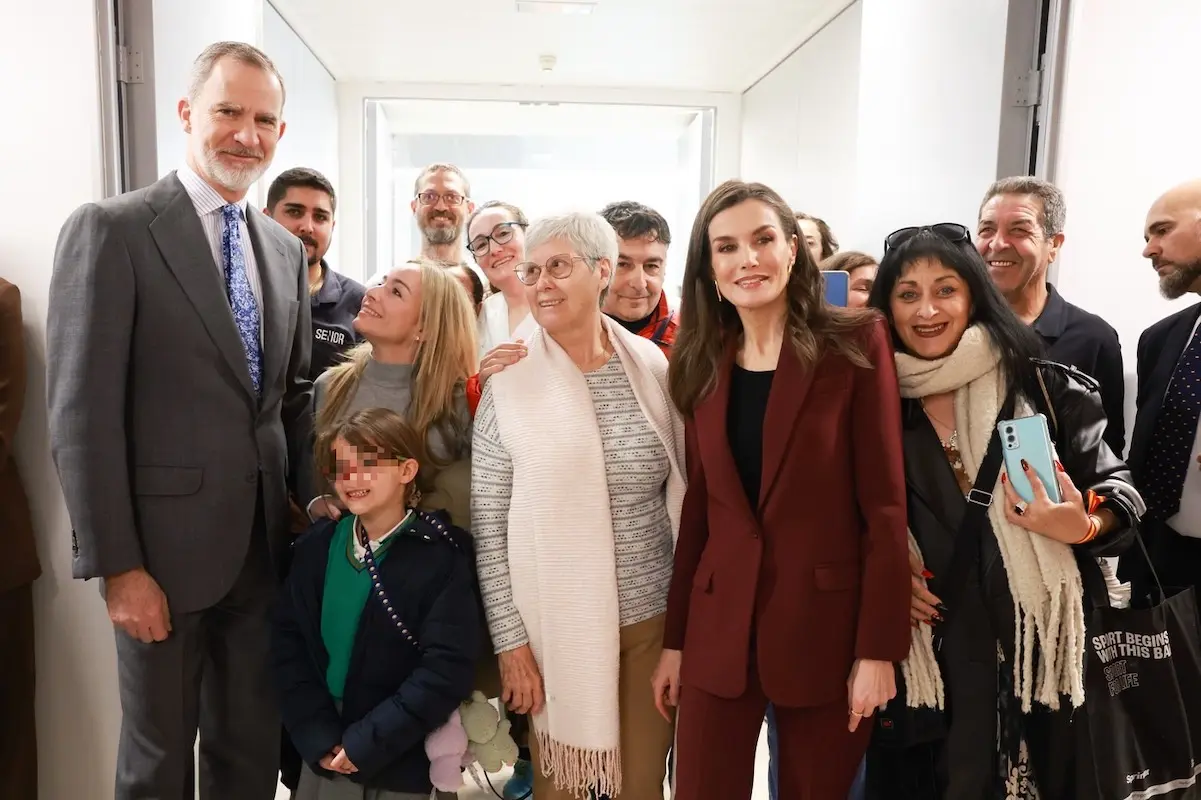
x,y
1094,528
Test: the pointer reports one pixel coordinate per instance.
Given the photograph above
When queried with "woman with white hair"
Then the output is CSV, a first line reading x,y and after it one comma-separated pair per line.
x,y
577,482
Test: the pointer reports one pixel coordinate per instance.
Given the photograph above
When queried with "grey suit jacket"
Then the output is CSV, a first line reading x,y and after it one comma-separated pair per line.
x,y
159,440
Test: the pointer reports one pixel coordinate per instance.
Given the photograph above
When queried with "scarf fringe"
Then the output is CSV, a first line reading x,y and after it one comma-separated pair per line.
x,y
923,679
576,770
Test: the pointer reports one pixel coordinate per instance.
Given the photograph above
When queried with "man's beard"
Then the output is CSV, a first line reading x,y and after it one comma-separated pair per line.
x,y
1179,281
235,180
317,255
435,234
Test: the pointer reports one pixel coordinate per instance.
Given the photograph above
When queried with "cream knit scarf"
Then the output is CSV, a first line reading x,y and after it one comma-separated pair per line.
x,y
1043,577
562,562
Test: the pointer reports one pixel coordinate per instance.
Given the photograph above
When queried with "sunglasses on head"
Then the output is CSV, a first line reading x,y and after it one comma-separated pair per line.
x,y
951,231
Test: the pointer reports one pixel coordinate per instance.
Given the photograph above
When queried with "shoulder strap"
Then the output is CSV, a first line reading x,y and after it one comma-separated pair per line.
x,y
378,586
1044,402
966,556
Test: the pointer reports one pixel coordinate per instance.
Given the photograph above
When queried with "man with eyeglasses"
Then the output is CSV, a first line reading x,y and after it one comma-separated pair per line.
x,y
442,203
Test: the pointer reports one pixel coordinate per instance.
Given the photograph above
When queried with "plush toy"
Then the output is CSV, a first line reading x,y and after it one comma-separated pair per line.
x,y
446,748
489,742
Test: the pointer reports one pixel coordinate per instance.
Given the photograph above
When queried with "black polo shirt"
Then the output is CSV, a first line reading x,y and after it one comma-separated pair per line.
x,y
1090,344
335,306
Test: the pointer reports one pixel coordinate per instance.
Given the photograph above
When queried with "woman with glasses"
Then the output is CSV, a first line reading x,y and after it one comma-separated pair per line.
x,y
790,583
998,588
496,239
577,480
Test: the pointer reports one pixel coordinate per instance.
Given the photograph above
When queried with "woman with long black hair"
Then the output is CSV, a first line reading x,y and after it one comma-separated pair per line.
x,y
1009,669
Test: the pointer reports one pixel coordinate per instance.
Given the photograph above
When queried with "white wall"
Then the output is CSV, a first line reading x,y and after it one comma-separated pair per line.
x,y
386,205
352,96
311,110
57,165
181,32
800,124
930,83
1128,132
889,116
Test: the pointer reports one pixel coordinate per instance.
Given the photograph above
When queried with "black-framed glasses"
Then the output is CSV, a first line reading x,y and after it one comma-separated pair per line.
x,y
432,198
951,231
502,233
558,267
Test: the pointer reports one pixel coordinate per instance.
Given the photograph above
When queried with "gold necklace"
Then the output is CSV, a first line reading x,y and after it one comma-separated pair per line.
x,y
951,441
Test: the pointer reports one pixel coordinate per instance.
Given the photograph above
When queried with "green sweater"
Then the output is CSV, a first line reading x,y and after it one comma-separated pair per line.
x,y
347,590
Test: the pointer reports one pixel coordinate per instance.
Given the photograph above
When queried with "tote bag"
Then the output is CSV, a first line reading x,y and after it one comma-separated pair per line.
x,y
1142,683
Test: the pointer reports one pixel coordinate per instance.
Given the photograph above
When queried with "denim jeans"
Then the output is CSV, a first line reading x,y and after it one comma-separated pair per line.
x,y
773,769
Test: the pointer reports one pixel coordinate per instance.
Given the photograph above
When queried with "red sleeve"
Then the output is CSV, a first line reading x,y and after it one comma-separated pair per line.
x,y
690,543
474,392
883,633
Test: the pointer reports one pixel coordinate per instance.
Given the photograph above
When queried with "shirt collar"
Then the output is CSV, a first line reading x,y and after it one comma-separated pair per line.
x,y
1053,319
204,197
361,552
331,286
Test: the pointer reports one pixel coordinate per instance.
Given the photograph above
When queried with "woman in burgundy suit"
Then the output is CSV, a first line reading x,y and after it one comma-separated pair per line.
x,y
791,582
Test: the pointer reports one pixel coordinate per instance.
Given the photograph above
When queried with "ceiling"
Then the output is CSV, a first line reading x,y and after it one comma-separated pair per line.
x,y
704,45
510,118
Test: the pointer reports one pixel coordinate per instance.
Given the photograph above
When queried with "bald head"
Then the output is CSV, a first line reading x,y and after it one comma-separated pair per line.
x,y
1173,235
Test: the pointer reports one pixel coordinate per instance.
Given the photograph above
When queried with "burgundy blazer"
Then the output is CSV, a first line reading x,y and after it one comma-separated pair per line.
x,y
819,568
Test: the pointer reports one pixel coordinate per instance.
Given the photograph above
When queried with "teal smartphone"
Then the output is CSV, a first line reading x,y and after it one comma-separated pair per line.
x,y
1029,438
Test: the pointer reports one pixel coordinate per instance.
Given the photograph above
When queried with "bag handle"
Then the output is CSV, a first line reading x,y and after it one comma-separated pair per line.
x,y
966,555
1094,579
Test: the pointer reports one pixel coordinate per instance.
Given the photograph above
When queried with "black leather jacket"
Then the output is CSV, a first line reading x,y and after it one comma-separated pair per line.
x,y
986,614
1077,422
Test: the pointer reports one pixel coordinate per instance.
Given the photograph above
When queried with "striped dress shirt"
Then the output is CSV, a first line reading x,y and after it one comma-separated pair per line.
x,y
208,204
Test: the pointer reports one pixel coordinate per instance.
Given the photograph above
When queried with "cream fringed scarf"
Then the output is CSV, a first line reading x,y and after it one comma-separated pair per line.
x,y
1043,577
561,548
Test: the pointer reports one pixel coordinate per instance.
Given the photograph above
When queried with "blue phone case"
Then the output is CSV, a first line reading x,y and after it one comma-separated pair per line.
x,y
1029,438
838,286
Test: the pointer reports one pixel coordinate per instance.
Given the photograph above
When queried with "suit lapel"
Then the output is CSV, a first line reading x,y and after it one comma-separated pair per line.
x,y
789,388
180,238
1174,342
721,475
279,301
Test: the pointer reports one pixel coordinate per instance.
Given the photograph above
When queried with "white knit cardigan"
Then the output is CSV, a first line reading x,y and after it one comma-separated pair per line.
x,y
561,547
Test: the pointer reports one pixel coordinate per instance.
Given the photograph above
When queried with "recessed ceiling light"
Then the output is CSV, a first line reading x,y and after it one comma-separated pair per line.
x,y
555,6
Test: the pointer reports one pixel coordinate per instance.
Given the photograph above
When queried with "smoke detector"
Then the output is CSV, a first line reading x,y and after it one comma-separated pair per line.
x,y
547,63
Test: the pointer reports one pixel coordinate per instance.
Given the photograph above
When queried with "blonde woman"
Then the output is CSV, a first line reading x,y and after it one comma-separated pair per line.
x,y
420,349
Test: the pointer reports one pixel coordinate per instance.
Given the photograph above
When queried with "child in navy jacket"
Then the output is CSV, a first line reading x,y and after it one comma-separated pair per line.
x,y
364,677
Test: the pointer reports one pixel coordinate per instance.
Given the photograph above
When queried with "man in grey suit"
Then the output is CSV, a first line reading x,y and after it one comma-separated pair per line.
x,y
178,339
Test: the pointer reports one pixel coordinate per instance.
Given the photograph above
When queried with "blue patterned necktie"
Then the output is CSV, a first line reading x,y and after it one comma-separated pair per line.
x,y
241,297
1171,449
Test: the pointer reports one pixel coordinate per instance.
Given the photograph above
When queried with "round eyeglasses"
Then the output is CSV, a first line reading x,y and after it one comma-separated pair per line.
x,y
558,267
